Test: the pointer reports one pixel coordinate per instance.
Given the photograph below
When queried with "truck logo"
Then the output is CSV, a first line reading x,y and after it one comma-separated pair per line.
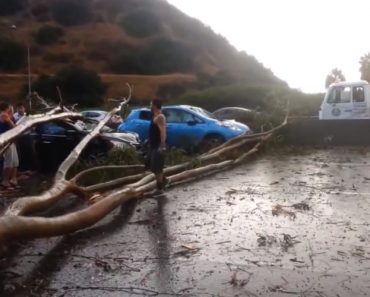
x,y
336,112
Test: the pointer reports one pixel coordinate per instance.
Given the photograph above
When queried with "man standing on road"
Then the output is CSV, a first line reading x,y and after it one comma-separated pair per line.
x,y
157,144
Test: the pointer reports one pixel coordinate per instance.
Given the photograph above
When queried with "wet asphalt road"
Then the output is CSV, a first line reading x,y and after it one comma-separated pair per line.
x,y
221,236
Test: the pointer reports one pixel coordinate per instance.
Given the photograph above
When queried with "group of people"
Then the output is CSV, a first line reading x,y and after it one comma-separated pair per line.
x,y
10,160
155,157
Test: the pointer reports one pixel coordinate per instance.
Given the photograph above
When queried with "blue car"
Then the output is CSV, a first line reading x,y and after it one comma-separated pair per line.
x,y
188,127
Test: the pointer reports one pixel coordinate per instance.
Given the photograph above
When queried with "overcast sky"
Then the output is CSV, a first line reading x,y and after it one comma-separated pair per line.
x,y
299,40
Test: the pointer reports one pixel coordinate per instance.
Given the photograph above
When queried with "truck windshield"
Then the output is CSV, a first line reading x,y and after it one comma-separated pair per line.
x,y
340,95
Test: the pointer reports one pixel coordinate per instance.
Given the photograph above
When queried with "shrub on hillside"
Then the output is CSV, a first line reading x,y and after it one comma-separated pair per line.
x,y
264,99
58,57
9,7
166,56
141,23
221,78
81,86
234,95
169,91
48,34
12,55
127,62
162,56
78,85
71,12
45,86
41,12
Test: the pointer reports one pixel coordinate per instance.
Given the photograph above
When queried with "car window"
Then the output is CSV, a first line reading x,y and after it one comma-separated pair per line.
x,y
340,95
51,129
94,114
145,115
179,116
224,113
358,94
203,112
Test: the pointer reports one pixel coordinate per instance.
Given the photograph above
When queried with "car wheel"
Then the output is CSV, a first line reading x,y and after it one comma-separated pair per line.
x,y
210,142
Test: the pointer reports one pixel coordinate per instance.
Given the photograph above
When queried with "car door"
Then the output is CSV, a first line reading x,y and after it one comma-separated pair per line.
x,y
141,124
339,101
54,141
360,108
183,128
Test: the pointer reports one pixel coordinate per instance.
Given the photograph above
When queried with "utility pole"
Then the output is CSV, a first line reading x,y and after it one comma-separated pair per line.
x,y
29,62
29,77
14,27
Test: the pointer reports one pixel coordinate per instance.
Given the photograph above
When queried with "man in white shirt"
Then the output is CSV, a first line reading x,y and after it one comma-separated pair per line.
x,y
20,112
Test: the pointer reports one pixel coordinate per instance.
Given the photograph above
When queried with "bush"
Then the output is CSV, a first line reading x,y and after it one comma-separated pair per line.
x,y
12,55
71,12
270,100
221,78
48,34
78,85
141,23
127,156
165,56
255,98
126,62
169,91
162,56
9,7
62,58
81,86
41,12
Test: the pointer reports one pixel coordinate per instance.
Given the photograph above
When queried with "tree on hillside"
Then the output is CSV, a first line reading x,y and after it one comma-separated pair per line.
x,y
164,56
161,56
48,34
71,12
365,67
9,7
336,75
78,85
12,55
141,23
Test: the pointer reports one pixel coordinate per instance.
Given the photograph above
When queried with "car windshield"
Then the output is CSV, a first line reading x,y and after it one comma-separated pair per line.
x,y
203,112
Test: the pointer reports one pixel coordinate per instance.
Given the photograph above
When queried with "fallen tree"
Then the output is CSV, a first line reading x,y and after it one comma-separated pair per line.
x,y
14,224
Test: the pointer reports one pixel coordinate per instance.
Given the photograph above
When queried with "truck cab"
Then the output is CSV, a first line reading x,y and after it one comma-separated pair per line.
x,y
346,101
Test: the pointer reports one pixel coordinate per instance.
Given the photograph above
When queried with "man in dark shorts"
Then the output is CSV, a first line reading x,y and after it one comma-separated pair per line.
x,y
157,144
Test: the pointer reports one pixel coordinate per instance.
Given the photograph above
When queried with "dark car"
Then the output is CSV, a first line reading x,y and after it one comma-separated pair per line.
x,y
241,114
48,144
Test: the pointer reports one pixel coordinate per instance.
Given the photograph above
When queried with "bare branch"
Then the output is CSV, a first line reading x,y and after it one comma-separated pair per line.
x,y
81,174
19,226
60,186
31,121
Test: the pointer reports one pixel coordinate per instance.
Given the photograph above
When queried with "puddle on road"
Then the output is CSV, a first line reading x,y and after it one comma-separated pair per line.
x,y
219,237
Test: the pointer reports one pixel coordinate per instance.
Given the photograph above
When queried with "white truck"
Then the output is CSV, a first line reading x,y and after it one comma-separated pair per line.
x,y
346,101
344,118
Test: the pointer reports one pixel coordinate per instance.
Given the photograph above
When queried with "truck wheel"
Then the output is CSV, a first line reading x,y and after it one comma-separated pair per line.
x,y
210,142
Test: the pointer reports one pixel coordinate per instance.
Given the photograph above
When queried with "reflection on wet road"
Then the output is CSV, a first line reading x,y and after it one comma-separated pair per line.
x,y
221,237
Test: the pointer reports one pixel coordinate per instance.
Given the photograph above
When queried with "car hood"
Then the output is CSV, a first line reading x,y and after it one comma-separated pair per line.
x,y
235,124
132,138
